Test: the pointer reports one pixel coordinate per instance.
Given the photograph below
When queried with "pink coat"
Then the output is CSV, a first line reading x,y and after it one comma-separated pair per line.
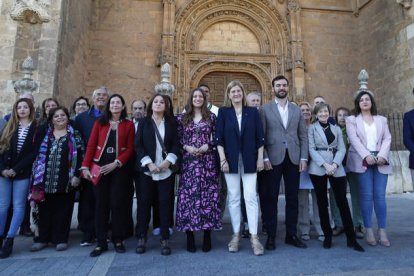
x,y
358,143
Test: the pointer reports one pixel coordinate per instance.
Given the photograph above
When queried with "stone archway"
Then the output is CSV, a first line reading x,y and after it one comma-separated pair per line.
x,y
251,38
217,81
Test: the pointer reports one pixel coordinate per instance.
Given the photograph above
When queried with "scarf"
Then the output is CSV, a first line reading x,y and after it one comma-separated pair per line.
x,y
39,165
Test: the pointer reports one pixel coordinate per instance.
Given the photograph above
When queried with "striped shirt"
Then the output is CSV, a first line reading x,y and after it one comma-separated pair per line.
x,y
22,133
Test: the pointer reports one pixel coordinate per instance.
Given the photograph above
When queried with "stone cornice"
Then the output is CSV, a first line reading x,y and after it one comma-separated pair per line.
x,y
405,3
22,9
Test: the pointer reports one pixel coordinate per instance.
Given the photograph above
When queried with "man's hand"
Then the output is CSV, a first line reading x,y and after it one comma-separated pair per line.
x,y
303,165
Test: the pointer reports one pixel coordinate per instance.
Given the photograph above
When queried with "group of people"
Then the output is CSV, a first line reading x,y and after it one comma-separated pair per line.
x,y
241,147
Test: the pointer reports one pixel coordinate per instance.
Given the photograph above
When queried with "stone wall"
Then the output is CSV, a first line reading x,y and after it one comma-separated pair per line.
x,y
330,54
386,48
125,44
74,50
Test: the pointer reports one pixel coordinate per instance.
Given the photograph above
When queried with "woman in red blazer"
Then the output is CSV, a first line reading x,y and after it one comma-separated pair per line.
x,y
110,146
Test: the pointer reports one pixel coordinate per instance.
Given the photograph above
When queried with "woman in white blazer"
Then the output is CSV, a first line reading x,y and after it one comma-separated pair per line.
x,y
370,141
327,150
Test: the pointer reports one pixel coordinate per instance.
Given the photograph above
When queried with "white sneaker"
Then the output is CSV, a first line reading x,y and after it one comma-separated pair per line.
x,y
156,231
171,231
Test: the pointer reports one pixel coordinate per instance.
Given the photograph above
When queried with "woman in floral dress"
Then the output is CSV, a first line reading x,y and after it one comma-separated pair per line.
x,y
198,193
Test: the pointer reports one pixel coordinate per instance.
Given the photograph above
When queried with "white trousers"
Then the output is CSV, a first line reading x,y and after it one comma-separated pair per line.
x,y
303,215
250,198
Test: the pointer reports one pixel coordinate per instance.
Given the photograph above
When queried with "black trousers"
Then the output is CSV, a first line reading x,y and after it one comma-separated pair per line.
x,y
338,186
86,209
111,193
164,191
55,216
269,186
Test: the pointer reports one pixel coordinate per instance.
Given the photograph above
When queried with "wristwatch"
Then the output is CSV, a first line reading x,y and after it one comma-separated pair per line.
x,y
118,163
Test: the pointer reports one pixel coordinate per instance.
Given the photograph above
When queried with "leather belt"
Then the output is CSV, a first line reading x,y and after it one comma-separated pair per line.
x,y
333,150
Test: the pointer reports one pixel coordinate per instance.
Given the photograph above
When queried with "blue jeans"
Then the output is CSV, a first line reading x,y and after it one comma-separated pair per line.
x,y
12,192
372,186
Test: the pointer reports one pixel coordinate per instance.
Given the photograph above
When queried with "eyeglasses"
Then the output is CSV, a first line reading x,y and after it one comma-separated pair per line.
x,y
81,104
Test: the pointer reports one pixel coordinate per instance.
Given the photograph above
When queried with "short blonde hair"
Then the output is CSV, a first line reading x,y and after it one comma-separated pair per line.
x,y
234,83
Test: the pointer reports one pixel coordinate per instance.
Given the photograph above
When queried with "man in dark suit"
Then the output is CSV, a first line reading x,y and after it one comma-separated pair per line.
x,y
408,137
285,154
84,123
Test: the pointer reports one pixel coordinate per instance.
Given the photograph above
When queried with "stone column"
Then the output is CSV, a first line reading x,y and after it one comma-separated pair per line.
x,y
168,33
296,62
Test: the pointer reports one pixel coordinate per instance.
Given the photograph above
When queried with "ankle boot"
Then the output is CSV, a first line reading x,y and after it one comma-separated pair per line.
x,y
207,241
165,248
190,242
7,248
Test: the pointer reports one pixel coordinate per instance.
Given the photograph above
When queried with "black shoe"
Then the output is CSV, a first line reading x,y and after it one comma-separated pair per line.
x,y
206,241
295,241
264,230
119,247
355,245
141,246
327,242
190,242
1,242
87,240
165,248
7,248
98,251
270,243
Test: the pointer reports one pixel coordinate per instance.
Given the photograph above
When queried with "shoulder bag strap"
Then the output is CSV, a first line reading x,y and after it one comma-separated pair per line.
x,y
159,137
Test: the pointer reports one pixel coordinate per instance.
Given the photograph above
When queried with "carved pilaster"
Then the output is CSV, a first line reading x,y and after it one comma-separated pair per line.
x,y
405,3
296,60
168,34
32,11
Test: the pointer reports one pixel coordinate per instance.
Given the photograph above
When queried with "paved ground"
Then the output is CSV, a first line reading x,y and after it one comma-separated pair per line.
x,y
286,260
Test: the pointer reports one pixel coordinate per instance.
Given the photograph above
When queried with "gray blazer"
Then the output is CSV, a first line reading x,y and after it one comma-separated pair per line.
x,y
317,139
277,138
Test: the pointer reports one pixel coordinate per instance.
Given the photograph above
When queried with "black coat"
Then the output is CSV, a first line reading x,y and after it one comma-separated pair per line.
x,y
22,162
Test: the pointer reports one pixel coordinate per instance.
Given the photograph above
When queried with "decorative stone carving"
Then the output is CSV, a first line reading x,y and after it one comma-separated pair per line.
x,y
293,5
26,84
31,11
405,3
165,87
363,82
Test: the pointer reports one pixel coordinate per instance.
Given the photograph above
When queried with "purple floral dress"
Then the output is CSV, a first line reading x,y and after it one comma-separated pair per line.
x,y
198,206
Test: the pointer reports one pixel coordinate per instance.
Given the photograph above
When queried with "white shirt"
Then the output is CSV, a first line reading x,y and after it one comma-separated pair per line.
x,y
158,157
371,134
283,111
239,119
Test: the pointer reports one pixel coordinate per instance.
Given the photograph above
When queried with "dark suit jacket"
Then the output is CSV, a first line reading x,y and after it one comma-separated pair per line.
x,y
247,141
408,135
84,123
22,162
145,140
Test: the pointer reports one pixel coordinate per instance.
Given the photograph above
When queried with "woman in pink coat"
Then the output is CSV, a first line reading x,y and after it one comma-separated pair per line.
x,y
368,157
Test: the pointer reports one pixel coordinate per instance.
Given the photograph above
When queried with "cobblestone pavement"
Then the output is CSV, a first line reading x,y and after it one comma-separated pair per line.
x,y
285,260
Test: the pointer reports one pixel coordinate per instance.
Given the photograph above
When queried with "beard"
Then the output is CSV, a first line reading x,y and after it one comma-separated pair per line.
x,y
281,96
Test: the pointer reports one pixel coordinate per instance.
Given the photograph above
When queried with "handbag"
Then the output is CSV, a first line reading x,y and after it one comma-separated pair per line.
x,y
175,168
96,174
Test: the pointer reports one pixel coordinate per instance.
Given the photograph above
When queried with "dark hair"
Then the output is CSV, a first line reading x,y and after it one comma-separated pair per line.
x,y
44,116
204,85
77,100
107,115
145,104
56,109
319,106
339,109
358,99
168,112
189,114
280,77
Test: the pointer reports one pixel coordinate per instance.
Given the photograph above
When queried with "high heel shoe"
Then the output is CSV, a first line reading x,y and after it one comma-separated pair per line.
x,y
369,237
383,239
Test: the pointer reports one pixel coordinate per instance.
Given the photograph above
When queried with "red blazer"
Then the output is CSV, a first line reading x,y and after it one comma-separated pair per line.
x,y
98,139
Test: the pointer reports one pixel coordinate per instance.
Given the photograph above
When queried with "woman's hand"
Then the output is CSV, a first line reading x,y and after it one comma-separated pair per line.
x,y
75,181
224,166
267,165
191,150
87,174
371,160
259,164
329,168
203,149
108,168
164,165
153,169
381,161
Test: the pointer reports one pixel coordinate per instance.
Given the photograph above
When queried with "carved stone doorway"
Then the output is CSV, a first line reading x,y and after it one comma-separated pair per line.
x,y
218,81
